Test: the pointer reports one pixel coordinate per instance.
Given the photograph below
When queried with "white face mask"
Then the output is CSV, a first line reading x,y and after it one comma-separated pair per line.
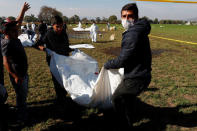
x,y
127,23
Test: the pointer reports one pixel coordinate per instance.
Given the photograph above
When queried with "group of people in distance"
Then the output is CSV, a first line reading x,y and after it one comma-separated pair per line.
x,y
135,57
29,30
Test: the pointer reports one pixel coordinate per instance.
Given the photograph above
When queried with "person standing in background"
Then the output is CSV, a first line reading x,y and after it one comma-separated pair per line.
x,y
93,32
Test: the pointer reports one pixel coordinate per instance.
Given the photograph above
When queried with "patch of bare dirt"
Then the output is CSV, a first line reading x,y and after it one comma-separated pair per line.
x,y
115,51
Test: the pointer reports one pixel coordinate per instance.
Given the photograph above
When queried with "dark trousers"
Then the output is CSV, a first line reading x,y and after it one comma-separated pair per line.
x,y
21,92
3,117
21,97
125,101
60,91
1,71
41,36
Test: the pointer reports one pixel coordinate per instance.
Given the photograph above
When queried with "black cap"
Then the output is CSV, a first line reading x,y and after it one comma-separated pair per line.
x,y
6,24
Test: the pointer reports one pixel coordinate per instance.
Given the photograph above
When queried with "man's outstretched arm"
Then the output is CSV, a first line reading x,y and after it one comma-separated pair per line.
x,y
19,19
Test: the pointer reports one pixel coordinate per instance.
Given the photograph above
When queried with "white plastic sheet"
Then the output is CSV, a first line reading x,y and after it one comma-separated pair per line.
x,y
78,74
106,84
88,46
79,28
25,41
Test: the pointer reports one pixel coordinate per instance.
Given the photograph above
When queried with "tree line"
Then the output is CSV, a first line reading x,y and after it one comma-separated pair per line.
x,y
46,13
167,21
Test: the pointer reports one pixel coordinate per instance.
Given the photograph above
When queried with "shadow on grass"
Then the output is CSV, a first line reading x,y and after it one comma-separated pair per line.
x,y
158,119
100,41
41,102
69,116
43,111
151,89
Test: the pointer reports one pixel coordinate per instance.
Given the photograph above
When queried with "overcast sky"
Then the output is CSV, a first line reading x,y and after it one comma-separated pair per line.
x,y
101,8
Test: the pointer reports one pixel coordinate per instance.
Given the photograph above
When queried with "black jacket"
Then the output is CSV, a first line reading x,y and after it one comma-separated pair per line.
x,y
42,28
135,56
58,43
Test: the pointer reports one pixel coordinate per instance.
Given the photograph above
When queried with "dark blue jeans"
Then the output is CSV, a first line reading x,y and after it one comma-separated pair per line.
x,y
21,92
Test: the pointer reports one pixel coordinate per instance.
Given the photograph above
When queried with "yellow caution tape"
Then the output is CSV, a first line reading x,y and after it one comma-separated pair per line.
x,y
173,40
172,1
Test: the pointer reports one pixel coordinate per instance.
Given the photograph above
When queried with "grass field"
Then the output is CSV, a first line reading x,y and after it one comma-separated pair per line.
x,y
171,95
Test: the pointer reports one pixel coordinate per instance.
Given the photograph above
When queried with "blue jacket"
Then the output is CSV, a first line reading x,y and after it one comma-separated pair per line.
x,y
135,56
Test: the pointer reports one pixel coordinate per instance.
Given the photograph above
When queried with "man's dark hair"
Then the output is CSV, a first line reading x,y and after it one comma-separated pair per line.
x,y
6,26
93,22
133,7
56,20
